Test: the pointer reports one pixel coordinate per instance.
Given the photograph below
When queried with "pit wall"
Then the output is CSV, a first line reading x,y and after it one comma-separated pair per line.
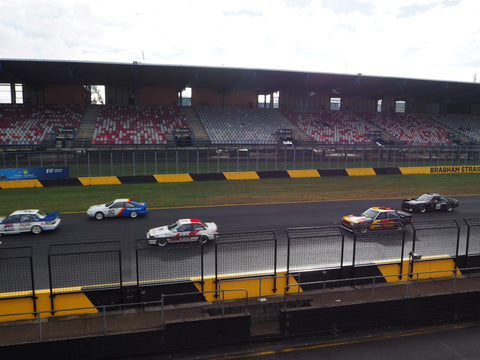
x,y
241,175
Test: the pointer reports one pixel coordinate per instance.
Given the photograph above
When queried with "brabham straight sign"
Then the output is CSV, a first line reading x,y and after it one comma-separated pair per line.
x,y
454,169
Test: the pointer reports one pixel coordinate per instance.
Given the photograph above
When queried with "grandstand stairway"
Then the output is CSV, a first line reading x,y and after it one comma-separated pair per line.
x,y
194,122
300,134
87,126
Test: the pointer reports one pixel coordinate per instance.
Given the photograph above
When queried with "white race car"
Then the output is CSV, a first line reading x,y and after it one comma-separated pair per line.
x,y
34,221
183,230
118,207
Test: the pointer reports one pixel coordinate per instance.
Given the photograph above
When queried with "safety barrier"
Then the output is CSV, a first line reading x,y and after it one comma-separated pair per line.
x,y
91,274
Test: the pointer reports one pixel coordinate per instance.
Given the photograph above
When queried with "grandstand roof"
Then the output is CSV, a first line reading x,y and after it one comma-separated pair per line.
x,y
40,72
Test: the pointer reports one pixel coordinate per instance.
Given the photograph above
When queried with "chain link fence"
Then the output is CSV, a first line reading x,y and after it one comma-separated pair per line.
x,y
436,238
16,273
84,267
246,254
176,160
314,248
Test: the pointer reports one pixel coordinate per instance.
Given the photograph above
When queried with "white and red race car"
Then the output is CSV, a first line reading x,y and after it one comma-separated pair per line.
x,y
183,230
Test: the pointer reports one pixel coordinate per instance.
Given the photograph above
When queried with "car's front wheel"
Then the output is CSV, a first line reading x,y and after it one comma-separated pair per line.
x,y
448,208
36,229
162,242
99,215
202,240
133,214
422,209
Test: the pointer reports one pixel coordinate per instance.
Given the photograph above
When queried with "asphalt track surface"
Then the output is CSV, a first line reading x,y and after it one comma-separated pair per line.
x,y
448,342
455,342
78,228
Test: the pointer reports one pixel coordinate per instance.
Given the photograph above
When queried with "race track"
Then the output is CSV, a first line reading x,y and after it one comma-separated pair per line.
x,y
80,229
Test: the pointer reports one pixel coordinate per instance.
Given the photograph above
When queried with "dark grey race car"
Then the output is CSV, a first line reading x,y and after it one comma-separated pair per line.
x,y
429,202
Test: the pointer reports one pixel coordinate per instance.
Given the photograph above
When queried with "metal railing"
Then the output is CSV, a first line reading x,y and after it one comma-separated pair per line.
x,y
101,326
104,312
228,158
372,283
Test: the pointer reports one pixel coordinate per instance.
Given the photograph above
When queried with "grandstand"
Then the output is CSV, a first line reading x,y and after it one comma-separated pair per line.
x,y
332,127
137,125
411,129
154,125
241,126
464,128
35,124
224,108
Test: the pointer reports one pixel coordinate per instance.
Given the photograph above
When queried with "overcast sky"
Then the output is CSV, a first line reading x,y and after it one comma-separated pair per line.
x,y
426,39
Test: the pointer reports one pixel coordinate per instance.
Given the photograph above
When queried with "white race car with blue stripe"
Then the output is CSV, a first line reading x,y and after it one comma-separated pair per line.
x,y
118,207
34,221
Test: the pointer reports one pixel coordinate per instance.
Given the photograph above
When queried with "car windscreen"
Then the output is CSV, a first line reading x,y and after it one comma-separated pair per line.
x,y
370,213
171,226
41,214
424,197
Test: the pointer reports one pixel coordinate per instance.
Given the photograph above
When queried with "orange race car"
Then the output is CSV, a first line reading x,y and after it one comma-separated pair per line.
x,y
377,217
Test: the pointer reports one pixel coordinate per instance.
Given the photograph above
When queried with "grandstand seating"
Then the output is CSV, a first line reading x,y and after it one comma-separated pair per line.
x,y
466,125
332,127
126,125
411,129
240,125
144,125
32,124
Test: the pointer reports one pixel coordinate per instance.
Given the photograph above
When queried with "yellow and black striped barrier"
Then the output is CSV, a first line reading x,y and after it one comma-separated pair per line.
x,y
241,175
75,301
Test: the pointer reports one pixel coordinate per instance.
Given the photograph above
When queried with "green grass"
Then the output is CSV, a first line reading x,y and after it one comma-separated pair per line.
x,y
214,193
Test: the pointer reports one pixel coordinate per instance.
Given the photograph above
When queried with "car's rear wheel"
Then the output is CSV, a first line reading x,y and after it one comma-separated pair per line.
x,y
422,209
36,229
202,240
448,208
99,215
133,214
162,242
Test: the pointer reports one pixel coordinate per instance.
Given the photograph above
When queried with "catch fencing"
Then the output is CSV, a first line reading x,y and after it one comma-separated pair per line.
x,y
80,268
94,267
216,159
16,273
314,247
245,254
436,238
168,265
473,236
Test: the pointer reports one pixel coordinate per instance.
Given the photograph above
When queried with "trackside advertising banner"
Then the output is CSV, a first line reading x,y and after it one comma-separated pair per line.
x,y
454,169
34,173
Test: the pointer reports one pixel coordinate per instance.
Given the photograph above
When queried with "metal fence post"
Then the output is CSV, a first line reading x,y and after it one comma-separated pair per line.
x,y
40,333
104,320
88,164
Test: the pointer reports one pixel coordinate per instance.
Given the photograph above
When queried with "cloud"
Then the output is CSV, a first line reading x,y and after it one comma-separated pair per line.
x,y
422,38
